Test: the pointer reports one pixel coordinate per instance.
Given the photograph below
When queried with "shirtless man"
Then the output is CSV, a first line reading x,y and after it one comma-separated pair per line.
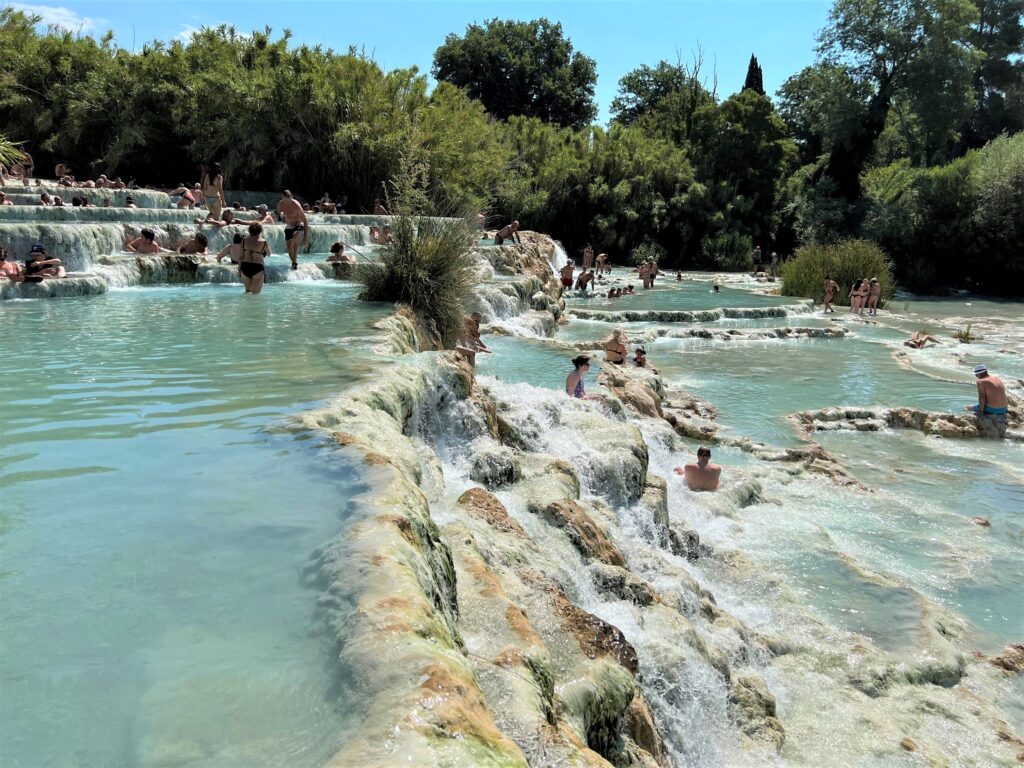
x,y
991,394
702,476
586,278
566,273
146,243
295,224
45,199
588,257
263,216
379,209
338,255
4,200
508,232
831,286
602,259
197,245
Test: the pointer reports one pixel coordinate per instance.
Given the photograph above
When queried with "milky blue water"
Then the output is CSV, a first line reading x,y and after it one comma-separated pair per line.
x,y
156,518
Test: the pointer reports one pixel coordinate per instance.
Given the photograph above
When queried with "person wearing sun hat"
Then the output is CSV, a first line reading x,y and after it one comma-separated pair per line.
x,y
991,394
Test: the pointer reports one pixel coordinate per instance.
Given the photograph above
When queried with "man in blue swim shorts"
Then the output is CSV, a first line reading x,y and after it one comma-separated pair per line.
x,y
991,394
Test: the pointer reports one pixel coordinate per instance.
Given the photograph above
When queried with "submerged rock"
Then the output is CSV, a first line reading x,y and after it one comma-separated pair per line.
x,y
495,467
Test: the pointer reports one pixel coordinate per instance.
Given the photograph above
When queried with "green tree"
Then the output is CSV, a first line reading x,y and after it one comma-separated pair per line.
x,y
822,106
894,46
521,68
754,80
999,79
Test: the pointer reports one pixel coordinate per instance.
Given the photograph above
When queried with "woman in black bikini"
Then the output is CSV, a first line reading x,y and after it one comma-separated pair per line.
x,y
254,250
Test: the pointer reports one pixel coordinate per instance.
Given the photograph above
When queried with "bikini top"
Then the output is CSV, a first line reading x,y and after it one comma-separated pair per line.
x,y
262,252
577,391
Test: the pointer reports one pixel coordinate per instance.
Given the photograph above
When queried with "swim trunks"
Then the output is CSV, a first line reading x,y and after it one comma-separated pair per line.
x,y
498,239
991,410
567,282
290,232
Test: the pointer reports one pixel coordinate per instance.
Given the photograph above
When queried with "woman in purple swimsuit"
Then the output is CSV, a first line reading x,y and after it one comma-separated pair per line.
x,y
574,381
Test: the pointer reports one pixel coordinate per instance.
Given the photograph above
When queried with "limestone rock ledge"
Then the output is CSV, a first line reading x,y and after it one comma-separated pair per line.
x,y
953,425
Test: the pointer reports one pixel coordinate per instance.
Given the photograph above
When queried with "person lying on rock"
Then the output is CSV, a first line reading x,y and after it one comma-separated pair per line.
x,y
145,243
227,219
702,476
991,394
196,244
39,265
919,340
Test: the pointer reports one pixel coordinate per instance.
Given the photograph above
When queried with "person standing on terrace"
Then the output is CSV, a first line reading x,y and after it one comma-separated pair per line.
x,y
295,224
588,257
566,273
213,189
831,286
874,294
602,259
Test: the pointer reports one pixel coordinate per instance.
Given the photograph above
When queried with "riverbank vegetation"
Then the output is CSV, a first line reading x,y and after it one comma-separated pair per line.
x,y
905,132
846,262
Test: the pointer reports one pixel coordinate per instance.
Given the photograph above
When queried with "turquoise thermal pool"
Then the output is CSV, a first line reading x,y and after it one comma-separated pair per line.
x,y
157,517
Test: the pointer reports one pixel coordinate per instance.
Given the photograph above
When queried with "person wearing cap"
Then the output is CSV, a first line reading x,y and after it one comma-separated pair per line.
x,y
702,475
9,270
991,394
38,266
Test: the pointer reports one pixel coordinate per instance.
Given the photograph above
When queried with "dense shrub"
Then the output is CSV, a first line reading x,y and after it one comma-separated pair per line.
x,y
730,250
846,262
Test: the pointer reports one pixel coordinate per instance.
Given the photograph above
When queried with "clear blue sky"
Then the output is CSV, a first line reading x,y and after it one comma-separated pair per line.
x,y
619,35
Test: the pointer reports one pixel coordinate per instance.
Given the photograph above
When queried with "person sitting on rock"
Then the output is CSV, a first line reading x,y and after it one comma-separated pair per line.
x,y
640,357
145,243
129,202
703,475
39,266
574,386
4,200
10,270
614,350
991,394
379,209
263,216
195,245
45,199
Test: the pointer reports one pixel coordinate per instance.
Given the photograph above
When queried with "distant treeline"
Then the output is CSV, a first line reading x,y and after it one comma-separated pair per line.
x,y
881,138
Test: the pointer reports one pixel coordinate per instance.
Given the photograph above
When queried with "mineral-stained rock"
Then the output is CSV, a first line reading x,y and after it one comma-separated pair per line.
x,y
495,467
484,505
1011,659
596,637
684,541
621,583
642,729
754,707
586,535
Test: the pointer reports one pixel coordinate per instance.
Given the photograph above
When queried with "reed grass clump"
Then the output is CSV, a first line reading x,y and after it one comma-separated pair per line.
x,y
846,262
429,267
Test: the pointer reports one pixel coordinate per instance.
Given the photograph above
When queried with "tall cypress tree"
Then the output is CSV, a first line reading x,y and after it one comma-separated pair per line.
x,y
755,78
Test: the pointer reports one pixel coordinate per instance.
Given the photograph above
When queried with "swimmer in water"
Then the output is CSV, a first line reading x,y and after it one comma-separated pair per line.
x,y
702,475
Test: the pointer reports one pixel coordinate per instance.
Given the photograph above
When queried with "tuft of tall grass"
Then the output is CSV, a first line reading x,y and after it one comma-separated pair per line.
x,y
846,262
428,266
